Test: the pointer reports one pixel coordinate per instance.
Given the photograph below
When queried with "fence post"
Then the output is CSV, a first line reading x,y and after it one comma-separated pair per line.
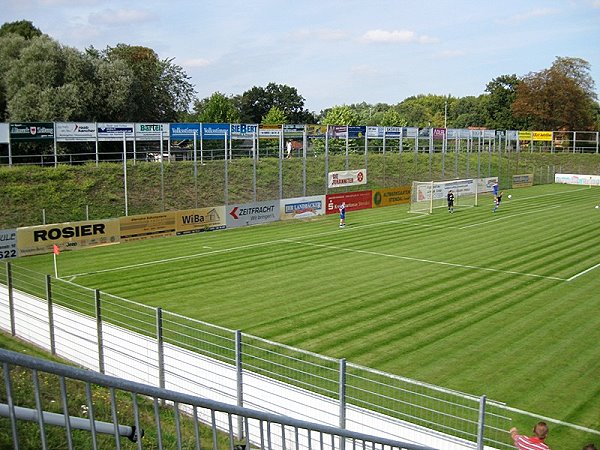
x,y
160,344
342,393
50,314
481,423
240,381
11,304
99,331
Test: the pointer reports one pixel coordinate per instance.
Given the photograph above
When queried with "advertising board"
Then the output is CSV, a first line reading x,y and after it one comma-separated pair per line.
x,y
241,215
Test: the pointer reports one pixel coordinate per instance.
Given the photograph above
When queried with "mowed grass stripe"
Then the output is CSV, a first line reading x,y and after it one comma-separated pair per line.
x,y
353,293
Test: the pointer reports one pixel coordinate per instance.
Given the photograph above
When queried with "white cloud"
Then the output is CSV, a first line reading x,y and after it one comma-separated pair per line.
x,y
364,69
120,16
451,53
596,4
321,34
197,62
531,14
401,36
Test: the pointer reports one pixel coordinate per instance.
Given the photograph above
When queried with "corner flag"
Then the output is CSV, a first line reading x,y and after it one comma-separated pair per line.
x,y
56,251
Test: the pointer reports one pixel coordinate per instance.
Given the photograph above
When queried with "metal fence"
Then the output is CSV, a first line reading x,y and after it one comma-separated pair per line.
x,y
136,342
133,411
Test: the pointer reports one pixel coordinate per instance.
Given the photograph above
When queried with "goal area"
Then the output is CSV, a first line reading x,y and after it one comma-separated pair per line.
x,y
427,196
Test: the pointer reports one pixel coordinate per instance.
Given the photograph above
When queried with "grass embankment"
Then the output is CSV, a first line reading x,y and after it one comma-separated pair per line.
x,y
70,193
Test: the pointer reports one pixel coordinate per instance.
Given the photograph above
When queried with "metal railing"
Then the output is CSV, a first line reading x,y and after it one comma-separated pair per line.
x,y
260,429
133,341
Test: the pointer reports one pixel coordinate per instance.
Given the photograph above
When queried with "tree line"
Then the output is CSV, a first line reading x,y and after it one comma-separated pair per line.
x,y
42,80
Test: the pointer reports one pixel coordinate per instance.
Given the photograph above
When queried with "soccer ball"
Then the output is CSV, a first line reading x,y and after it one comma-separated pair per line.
x,y
597,206
509,195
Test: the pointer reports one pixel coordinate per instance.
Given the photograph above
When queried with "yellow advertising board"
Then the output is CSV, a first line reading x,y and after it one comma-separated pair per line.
x,y
147,226
523,180
41,239
535,136
391,196
200,219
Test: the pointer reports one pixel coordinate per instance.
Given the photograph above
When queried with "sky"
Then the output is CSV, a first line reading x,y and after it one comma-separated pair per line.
x,y
333,52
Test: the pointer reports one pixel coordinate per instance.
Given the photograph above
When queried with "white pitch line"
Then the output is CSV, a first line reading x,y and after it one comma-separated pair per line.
x,y
225,250
501,217
577,275
430,261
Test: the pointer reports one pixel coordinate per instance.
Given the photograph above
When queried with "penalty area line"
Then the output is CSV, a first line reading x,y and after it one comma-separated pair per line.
x,y
589,269
428,261
507,217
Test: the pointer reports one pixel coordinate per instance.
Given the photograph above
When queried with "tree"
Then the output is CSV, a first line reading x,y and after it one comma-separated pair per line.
x,y
561,97
502,92
275,116
255,103
160,90
23,28
341,115
216,109
391,118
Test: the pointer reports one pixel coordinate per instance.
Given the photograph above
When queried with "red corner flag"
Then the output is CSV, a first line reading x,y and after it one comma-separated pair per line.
x,y
56,249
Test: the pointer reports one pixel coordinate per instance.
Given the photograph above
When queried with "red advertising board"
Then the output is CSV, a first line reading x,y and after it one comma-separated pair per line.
x,y
354,201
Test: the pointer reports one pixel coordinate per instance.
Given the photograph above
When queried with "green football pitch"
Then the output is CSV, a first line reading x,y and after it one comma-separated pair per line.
x,y
505,304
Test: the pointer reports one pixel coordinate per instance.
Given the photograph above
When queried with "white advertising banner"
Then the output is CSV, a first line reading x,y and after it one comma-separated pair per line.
x,y
486,184
114,131
4,133
151,131
252,213
75,131
347,178
440,191
302,207
8,244
570,178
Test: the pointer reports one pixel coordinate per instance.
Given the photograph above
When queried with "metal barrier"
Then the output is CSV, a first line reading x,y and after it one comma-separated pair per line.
x,y
260,429
143,344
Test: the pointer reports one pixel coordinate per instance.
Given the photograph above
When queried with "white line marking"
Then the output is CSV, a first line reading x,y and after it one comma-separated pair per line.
x,y
583,272
430,261
230,249
500,217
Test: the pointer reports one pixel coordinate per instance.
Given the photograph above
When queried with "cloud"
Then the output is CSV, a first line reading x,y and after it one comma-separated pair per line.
x,y
321,34
596,4
451,54
120,16
531,14
197,62
396,36
364,70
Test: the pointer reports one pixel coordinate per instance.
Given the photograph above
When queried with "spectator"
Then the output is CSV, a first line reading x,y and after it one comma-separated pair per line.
x,y
535,442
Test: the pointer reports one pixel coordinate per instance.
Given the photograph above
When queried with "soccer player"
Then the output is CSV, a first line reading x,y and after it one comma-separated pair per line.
x,y
450,201
342,209
535,442
497,201
495,189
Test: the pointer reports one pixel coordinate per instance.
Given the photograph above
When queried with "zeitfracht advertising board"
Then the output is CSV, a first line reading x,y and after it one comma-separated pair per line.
x,y
302,207
76,131
347,178
40,239
252,213
8,244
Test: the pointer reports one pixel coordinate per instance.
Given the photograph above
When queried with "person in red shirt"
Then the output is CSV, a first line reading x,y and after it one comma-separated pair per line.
x,y
535,442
